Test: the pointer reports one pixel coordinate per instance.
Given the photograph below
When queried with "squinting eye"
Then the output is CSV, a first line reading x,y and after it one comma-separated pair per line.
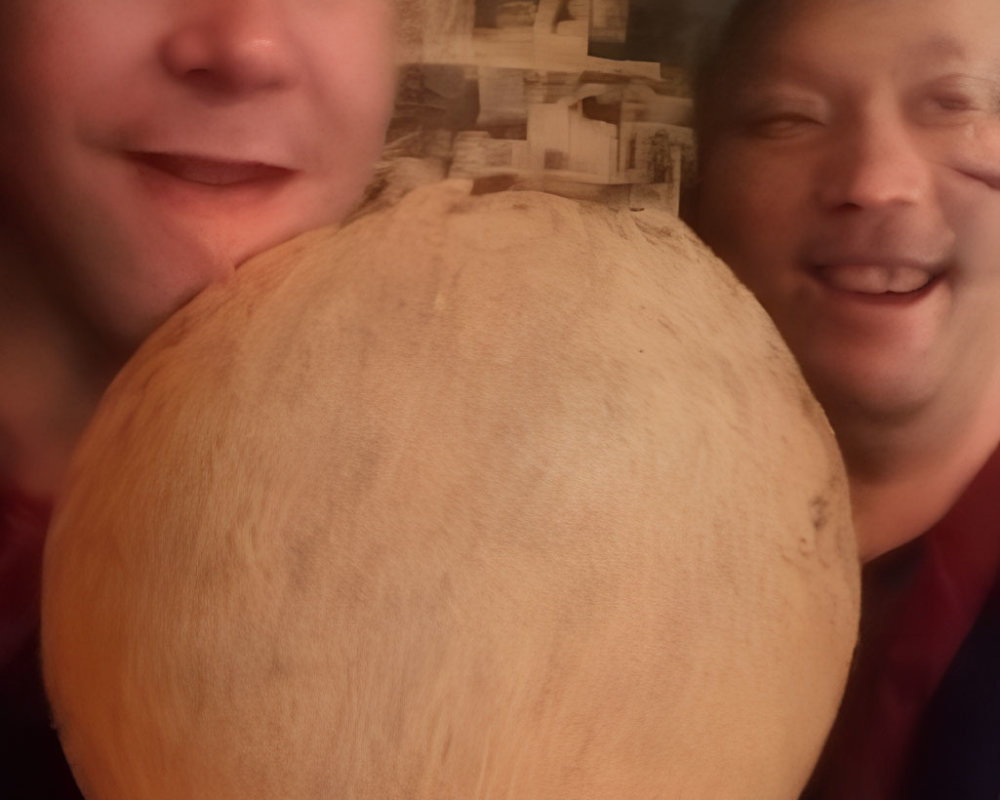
x,y
780,125
956,100
947,110
954,103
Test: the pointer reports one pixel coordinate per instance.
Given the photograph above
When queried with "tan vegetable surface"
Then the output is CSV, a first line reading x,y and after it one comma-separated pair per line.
x,y
501,496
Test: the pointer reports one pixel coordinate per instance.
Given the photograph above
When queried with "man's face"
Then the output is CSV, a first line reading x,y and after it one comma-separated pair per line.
x,y
854,184
149,146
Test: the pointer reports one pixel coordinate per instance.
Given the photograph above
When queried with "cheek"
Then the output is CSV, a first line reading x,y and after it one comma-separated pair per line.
x,y
971,211
355,77
741,210
355,64
752,213
77,52
65,73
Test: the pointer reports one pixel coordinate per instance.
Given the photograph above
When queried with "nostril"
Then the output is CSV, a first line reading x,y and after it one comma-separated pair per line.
x,y
199,75
224,56
185,52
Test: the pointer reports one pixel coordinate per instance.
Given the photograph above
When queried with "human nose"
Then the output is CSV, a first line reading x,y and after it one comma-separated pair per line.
x,y
231,46
875,163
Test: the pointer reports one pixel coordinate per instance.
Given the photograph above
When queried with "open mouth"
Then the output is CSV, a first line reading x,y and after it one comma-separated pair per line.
x,y
212,172
879,281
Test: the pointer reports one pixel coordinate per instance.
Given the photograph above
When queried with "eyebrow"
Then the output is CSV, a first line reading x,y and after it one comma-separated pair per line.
x,y
944,48
941,46
939,49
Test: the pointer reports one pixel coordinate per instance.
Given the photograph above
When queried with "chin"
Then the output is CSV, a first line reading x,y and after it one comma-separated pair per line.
x,y
882,396
158,289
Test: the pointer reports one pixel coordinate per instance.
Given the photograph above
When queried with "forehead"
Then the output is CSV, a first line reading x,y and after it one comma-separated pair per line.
x,y
838,36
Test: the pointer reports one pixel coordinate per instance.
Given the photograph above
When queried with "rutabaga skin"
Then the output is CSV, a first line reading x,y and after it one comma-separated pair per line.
x,y
500,496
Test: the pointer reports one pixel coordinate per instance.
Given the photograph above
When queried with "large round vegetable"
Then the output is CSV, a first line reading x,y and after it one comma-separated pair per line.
x,y
500,496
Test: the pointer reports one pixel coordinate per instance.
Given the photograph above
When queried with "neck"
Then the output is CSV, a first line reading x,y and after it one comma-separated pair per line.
x,y
905,479
52,373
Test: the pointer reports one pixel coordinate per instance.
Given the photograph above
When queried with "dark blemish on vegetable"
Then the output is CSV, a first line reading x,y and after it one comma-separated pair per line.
x,y
819,511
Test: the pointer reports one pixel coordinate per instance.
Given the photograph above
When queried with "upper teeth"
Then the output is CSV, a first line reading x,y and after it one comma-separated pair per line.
x,y
876,279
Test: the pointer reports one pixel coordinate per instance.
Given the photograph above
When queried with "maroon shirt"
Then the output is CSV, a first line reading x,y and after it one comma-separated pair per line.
x,y
23,522
919,604
32,765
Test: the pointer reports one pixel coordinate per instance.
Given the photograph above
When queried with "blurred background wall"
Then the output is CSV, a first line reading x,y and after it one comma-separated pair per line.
x,y
588,98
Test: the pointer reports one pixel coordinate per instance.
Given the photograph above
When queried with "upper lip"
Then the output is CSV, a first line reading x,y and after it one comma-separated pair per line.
x,y
818,260
210,170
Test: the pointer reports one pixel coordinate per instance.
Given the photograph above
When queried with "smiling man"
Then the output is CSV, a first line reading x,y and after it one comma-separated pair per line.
x,y
850,167
146,150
